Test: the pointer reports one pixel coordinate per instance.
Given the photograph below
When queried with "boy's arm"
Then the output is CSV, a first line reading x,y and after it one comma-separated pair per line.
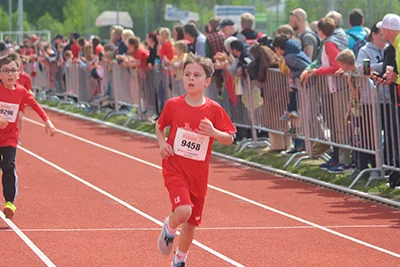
x,y
206,127
49,127
3,123
166,149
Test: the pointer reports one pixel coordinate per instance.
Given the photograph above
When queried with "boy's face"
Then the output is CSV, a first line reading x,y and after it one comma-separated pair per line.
x,y
278,51
9,74
195,79
131,48
346,67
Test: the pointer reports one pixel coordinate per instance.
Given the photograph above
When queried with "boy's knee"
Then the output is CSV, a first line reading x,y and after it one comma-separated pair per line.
x,y
189,227
183,213
8,166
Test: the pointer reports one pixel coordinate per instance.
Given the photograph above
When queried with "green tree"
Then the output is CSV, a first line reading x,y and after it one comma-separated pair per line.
x,y
76,14
47,22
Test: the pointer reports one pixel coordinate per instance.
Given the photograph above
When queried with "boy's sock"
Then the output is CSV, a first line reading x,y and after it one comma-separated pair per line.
x,y
170,231
180,257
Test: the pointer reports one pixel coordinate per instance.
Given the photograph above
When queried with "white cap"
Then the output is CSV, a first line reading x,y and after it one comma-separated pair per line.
x,y
390,22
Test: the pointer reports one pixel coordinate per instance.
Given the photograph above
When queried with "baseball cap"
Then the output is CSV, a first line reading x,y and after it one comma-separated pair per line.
x,y
390,22
226,22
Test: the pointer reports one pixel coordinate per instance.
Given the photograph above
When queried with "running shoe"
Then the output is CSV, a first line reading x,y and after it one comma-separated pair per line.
x,y
165,242
9,210
181,264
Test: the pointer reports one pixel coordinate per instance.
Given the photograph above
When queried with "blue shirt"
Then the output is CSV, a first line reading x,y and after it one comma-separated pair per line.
x,y
357,31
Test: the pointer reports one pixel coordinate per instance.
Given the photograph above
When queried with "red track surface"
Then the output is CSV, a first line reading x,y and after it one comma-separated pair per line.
x,y
75,225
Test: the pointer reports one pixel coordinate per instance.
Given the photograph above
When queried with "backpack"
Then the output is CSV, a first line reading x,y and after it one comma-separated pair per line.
x,y
394,180
359,42
253,41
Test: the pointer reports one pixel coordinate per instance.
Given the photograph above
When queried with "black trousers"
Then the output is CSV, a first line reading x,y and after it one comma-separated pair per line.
x,y
9,178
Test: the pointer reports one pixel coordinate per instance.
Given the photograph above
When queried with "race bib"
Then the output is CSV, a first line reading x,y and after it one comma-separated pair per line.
x,y
9,111
191,145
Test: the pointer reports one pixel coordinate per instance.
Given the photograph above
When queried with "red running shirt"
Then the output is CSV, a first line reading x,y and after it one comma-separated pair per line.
x,y
26,82
142,55
182,117
11,102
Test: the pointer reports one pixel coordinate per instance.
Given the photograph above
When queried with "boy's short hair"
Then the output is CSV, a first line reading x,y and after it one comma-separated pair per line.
x,y
109,55
327,26
356,17
346,57
204,62
280,41
135,41
286,30
25,60
237,45
9,58
181,45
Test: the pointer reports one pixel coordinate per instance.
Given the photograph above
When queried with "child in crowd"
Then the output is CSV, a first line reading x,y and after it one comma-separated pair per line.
x,y
177,62
358,115
13,97
194,121
296,61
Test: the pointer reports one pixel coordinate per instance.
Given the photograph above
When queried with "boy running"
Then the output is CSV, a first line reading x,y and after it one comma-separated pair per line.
x,y
24,80
13,97
195,121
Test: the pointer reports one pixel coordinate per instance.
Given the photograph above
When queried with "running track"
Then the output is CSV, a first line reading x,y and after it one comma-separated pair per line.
x,y
94,196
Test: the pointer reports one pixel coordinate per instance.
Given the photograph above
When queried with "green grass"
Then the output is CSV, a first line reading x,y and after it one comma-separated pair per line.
x,y
265,157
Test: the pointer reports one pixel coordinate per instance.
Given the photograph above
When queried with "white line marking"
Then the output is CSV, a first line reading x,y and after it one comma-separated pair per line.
x,y
231,194
208,249
145,229
27,241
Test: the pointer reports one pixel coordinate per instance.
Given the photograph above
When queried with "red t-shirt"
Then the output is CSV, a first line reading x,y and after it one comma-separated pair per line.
x,y
142,55
99,49
75,49
25,80
11,102
178,114
167,50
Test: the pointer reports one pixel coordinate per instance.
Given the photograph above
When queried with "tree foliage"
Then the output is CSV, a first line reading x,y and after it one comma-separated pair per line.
x,y
65,16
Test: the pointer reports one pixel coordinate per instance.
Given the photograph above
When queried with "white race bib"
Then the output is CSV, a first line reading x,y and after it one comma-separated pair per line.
x,y
191,145
9,111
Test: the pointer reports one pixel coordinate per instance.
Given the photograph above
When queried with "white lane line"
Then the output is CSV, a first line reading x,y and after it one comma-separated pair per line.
x,y
145,215
145,229
27,241
231,194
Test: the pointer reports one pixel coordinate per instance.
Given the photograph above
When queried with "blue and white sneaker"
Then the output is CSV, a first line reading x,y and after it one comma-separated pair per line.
x,y
165,241
340,168
328,165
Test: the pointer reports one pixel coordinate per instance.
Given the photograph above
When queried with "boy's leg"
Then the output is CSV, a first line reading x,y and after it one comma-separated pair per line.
x,y
181,212
9,179
187,233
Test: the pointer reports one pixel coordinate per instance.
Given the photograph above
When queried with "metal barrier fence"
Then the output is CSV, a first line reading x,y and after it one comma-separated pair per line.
x,y
369,136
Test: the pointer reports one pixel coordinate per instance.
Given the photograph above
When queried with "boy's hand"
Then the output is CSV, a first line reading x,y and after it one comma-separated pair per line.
x,y
3,123
349,77
339,71
347,118
206,127
49,128
166,150
304,76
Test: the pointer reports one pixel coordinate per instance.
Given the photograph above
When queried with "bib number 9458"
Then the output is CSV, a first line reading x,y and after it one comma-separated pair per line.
x,y
191,145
